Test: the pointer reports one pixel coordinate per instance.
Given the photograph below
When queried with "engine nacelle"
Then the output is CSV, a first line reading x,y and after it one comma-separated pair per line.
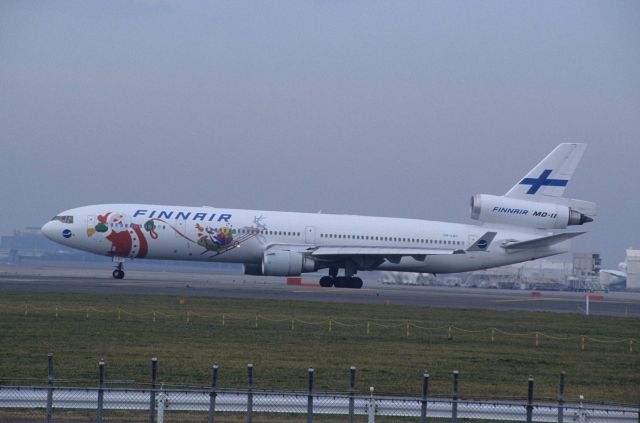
x,y
513,211
286,263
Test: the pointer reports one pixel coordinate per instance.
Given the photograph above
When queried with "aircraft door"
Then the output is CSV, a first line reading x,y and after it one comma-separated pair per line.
x,y
91,225
181,235
310,234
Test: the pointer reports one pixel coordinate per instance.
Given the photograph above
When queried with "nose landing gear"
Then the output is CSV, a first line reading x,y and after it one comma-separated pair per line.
x,y
118,273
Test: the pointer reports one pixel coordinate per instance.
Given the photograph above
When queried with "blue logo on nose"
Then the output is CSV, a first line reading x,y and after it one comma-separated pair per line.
x,y
66,233
482,244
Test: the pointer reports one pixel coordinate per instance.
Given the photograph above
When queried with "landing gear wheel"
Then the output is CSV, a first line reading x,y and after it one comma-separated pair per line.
x,y
341,282
355,283
326,281
118,274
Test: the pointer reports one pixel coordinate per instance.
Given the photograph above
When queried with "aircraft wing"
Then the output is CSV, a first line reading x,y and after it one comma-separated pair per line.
x,y
546,241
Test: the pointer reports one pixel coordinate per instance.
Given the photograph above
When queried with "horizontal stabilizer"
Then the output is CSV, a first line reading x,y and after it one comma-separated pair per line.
x,y
587,208
543,242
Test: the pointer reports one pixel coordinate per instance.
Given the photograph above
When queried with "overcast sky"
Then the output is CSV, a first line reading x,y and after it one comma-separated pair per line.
x,y
386,108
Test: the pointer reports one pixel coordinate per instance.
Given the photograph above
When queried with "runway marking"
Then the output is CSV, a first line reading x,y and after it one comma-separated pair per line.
x,y
18,280
523,300
322,291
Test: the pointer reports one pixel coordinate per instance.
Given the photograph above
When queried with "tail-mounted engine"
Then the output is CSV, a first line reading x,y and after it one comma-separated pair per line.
x,y
534,214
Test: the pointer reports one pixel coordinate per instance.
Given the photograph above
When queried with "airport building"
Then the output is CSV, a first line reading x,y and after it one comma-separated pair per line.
x,y
582,273
633,269
29,246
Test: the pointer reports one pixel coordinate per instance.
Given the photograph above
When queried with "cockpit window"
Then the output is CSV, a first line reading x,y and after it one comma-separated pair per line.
x,y
64,219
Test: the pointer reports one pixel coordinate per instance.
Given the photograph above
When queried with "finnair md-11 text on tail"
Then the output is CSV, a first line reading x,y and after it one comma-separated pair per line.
x,y
515,227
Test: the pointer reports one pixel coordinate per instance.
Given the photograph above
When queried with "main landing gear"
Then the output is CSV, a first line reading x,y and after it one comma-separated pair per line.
x,y
346,281
118,273
341,282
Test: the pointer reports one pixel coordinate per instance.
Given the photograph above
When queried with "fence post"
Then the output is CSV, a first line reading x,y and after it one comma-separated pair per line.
x,y
100,391
213,394
152,393
250,393
50,388
425,394
581,413
162,403
530,400
310,397
371,412
352,392
561,398
454,397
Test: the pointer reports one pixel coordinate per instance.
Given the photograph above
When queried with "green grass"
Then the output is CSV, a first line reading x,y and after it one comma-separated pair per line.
x,y
385,358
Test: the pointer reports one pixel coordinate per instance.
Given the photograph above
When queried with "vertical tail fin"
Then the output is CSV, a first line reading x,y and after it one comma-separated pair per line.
x,y
550,177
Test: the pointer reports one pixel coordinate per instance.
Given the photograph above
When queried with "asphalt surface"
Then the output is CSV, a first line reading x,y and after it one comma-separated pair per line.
x,y
99,281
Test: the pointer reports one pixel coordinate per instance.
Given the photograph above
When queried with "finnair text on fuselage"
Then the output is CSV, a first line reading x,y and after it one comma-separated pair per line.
x,y
182,215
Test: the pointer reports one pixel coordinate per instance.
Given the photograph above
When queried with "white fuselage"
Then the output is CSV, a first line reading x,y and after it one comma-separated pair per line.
x,y
243,236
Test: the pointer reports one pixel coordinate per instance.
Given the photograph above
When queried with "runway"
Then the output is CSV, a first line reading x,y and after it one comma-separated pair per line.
x,y
99,281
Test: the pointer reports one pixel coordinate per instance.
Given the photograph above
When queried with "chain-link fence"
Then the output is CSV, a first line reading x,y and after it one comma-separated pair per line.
x,y
56,401
168,404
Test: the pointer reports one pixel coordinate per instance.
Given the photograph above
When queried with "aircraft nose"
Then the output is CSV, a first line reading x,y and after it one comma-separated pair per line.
x,y
50,230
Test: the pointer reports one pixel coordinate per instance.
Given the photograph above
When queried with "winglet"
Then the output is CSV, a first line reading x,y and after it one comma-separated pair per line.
x,y
482,244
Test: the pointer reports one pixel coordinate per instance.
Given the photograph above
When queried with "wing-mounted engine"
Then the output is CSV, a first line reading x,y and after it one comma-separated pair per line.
x,y
534,214
281,262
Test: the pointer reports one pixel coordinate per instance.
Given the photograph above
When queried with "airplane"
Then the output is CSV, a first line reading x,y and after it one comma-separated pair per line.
x,y
518,226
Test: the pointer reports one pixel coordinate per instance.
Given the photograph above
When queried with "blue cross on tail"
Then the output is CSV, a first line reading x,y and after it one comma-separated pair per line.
x,y
540,181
